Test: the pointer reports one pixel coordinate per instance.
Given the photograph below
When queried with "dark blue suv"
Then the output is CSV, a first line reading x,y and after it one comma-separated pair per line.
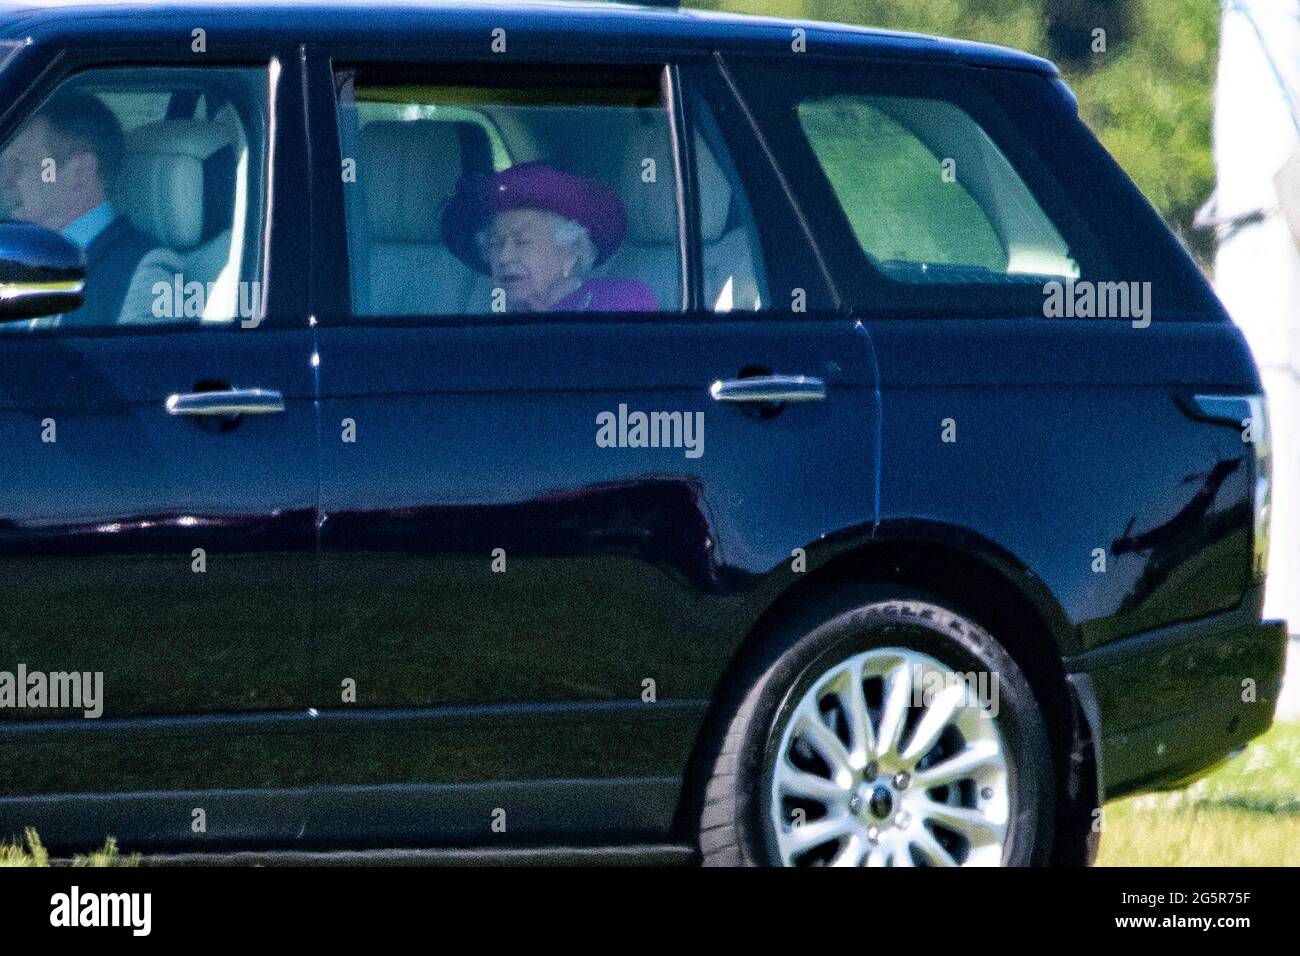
x,y
356,371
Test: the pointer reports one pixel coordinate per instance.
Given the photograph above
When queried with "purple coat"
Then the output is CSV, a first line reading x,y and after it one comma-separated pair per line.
x,y
609,295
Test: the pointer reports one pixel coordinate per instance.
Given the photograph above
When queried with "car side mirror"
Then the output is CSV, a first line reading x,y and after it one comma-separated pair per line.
x,y
41,272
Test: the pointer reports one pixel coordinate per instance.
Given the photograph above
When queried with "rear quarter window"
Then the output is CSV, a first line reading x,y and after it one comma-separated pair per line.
x,y
941,189
922,184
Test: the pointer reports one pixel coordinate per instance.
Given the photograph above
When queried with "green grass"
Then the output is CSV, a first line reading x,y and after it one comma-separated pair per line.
x,y
32,853
1246,813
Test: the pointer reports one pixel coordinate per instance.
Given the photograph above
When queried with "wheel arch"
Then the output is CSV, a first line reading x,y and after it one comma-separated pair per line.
x,y
959,569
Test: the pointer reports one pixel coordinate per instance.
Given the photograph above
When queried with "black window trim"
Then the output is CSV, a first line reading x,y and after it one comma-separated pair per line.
x,y
690,243
814,244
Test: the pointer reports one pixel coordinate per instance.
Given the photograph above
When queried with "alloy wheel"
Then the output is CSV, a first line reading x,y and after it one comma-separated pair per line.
x,y
890,758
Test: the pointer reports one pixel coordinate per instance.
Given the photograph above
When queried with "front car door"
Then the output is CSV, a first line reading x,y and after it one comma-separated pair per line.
x,y
158,482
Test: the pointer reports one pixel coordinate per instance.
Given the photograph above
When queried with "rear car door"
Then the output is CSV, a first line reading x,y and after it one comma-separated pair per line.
x,y
975,220
157,511
1060,388
525,607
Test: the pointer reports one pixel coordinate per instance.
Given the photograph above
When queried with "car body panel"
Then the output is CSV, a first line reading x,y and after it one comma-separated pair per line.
x,y
371,561
1067,416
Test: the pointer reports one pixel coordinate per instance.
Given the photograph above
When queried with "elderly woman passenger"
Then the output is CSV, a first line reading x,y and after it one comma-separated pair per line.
x,y
539,232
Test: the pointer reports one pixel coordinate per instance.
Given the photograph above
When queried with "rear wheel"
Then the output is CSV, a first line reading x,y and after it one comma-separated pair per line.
x,y
890,733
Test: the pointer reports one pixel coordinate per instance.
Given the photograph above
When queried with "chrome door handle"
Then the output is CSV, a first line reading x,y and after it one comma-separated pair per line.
x,y
234,401
769,388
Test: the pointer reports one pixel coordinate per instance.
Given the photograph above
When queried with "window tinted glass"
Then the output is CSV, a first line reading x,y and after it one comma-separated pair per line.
x,y
158,175
379,111
923,185
535,194
734,278
943,189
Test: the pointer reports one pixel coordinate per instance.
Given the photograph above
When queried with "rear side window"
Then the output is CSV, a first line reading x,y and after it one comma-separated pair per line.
x,y
528,190
941,189
923,185
543,188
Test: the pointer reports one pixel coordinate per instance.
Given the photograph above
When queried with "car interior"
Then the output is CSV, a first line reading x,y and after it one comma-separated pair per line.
x,y
191,169
411,158
930,197
181,190
194,153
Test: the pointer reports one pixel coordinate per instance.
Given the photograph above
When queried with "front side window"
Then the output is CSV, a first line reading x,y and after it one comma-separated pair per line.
x,y
540,193
157,174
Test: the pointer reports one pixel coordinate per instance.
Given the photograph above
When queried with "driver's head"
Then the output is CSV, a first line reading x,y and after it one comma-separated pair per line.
x,y
58,167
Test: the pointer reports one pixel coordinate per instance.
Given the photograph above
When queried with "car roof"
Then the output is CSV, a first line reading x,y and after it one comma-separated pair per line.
x,y
656,25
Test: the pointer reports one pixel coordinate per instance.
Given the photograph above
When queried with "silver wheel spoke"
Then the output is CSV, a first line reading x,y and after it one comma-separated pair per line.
x,y
965,763
862,736
809,836
822,739
851,854
936,717
972,824
897,691
794,782
931,848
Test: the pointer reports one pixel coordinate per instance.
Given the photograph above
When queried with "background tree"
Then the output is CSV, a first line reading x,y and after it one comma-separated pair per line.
x,y
1148,96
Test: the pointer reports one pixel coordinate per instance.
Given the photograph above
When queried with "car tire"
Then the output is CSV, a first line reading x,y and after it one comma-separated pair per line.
x,y
779,784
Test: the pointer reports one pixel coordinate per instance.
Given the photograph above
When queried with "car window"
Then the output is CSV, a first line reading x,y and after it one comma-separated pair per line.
x,y
136,108
538,193
733,271
935,189
378,111
923,186
158,175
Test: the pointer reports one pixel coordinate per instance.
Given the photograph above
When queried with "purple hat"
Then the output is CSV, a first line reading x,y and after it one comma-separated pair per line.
x,y
531,186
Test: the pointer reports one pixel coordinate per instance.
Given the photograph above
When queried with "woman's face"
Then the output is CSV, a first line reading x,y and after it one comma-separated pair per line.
x,y
526,261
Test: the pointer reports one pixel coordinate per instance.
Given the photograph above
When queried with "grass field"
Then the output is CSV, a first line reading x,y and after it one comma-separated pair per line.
x,y
31,853
1247,813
